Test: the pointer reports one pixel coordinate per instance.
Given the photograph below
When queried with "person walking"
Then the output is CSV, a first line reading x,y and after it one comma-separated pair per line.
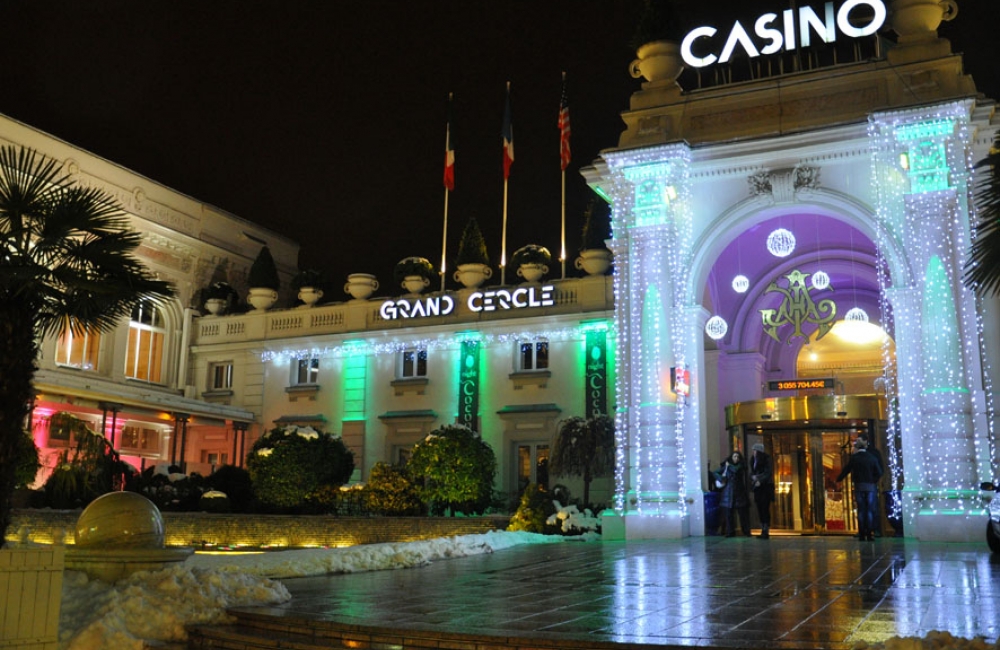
x,y
762,483
877,512
865,472
735,497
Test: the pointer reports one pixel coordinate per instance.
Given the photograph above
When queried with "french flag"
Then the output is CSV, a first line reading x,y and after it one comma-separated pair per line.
x,y
508,137
449,154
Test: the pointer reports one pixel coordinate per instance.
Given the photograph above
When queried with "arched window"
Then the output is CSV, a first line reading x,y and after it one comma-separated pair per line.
x,y
78,350
146,336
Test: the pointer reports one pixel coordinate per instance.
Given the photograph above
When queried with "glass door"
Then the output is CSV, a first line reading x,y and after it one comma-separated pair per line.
x,y
531,460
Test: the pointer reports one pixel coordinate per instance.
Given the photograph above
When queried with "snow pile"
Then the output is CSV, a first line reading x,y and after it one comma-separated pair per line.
x,y
935,640
157,605
571,520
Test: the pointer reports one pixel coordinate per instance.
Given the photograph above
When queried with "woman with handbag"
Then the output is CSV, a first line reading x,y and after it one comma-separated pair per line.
x,y
735,495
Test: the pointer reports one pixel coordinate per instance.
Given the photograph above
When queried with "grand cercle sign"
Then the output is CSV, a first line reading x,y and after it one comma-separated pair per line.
x,y
492,300
785,31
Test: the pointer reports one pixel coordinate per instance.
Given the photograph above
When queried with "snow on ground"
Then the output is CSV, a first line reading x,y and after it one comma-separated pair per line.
x,y
157,605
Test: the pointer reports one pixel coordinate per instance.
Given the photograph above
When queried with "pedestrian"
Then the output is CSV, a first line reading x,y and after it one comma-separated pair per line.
x,y
735,497
877,513
762,483
865,472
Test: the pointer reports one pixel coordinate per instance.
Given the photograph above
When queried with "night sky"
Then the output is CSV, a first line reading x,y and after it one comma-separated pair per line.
x,y
325,120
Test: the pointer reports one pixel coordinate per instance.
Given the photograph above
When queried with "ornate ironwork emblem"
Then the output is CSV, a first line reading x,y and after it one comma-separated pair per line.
x,y
797,309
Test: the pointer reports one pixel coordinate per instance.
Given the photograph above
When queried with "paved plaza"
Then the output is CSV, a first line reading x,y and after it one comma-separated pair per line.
x,y
789,592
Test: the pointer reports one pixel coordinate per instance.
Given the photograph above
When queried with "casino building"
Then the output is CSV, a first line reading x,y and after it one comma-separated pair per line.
x,y
789,249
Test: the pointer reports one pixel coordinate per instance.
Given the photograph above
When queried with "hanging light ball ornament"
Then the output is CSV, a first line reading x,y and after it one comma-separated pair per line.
x,y
716,328
820,280
856,315
741,283
781,243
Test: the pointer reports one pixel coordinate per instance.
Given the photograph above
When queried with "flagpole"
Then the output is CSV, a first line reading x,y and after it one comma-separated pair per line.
x,y
444,237
564,157
447,193
562,257
503,236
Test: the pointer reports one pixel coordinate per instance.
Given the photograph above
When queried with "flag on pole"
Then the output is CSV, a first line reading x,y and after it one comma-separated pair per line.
x,y
564,155
449,154
508,137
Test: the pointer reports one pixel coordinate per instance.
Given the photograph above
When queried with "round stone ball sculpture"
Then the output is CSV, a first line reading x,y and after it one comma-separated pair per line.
x,y
120,520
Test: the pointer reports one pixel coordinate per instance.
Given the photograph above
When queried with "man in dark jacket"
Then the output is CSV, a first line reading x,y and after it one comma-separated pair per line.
x,y
865,471
762,481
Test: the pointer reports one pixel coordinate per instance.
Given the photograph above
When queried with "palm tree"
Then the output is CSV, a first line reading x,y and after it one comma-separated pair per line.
x,y
66,261
584,448
983,268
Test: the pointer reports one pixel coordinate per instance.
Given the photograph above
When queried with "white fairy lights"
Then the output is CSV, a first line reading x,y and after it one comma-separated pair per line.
x,y
741,283
716,327
781,243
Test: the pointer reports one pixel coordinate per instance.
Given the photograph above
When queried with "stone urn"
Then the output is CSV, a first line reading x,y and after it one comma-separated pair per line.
x,y
415,283
473,275
262,298
532,272
594,261
215,306
918,20
361,285
657,61
310,295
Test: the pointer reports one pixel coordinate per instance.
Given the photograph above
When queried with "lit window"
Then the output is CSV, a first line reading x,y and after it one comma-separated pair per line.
x,y
78,350
140,438
305,371
412,364
532,355
220,376
146,336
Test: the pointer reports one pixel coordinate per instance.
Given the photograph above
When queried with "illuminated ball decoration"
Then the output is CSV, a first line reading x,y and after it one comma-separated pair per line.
x,y
820,280
716,327
781,243
856,315
741,283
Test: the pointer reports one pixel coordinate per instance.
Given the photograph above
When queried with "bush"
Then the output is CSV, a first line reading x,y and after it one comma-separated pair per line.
x,y
413,266
236,484
534,511
291,464
173,492
26,457
215,502
596,225
87,471
390,492
531,254
472,246
455,469
264,272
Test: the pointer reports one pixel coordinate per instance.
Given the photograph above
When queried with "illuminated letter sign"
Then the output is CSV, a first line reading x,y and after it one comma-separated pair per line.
x,y
697,47
402,308
519,298
596,381
468,385
796,308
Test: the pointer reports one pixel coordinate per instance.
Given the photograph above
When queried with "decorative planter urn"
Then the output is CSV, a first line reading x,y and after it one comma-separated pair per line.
x,y
415,283
262,298
361,285
657,61
532,272
215,306
310,295
594,261
918,20
473,275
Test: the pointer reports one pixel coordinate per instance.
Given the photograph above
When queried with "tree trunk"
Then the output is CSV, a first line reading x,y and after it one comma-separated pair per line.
x,y
586,486
18,350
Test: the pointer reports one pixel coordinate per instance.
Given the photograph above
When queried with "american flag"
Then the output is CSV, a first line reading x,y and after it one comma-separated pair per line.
x,y
508,137
564,155
449,154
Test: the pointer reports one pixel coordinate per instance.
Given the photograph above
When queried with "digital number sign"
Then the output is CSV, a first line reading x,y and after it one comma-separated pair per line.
x,y
800,384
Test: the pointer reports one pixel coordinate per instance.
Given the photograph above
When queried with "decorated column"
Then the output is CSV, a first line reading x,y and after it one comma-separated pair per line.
x,y
922,169
652,243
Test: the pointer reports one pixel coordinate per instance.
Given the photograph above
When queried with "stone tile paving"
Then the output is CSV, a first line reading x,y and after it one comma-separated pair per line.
x,y
789,592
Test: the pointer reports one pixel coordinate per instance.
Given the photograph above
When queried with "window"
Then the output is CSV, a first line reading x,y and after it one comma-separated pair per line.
x,y
305,371
412,364
220,376
532,465
140,438
78,350
146,335
532,355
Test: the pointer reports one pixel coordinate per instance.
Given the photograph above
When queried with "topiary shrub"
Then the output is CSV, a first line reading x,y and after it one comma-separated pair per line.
x,y
409,266
264,272
454,468
596,225
472,246
235,483
288,465
391,492
534,511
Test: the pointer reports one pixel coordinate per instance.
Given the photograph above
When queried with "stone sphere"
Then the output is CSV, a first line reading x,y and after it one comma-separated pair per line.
x,y
120,520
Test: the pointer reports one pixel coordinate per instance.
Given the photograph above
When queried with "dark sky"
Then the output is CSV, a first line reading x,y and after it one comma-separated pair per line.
x,y
324,119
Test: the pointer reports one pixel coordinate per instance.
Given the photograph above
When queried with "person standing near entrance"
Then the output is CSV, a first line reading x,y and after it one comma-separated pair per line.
x,y
865,471
877,512
735,498
762,482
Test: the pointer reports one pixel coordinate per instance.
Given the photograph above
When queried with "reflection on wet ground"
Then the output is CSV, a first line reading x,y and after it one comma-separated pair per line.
x,y
802,592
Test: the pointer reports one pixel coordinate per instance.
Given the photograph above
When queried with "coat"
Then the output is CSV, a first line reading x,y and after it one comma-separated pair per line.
x,y
762,477
736,494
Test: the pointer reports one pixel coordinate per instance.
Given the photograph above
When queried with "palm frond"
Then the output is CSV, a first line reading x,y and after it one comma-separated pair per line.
x,y
983,268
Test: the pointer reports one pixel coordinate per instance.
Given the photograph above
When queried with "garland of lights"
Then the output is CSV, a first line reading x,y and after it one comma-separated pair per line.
x,y
922,166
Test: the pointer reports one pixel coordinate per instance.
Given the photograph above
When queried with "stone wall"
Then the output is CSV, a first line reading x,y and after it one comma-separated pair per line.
x,y
199,528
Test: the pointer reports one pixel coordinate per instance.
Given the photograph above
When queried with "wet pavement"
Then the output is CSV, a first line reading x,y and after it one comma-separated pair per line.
x,y
788,592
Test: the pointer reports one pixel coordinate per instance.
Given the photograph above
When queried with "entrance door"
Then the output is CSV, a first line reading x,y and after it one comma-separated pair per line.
x,y
532,462
808,498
